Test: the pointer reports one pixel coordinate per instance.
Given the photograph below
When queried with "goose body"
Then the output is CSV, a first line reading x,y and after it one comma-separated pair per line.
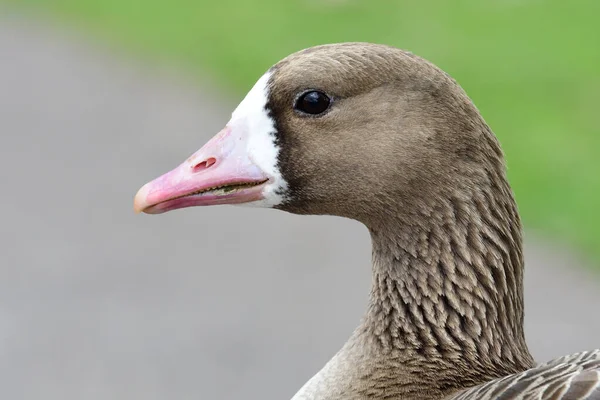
x,y
379,135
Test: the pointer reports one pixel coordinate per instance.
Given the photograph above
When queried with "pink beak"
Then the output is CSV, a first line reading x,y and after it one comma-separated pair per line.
x,y
221,172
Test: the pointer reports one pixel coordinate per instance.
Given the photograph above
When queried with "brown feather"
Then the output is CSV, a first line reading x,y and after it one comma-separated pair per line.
x,y
404,151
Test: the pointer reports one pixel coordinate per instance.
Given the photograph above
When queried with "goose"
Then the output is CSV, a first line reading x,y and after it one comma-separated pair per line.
x,y
382,136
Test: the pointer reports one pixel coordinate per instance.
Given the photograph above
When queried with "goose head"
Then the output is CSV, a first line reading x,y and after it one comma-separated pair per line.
x,y
379,135
354,130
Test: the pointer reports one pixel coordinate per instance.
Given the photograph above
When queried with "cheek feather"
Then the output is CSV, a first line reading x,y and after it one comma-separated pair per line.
x,y
252,118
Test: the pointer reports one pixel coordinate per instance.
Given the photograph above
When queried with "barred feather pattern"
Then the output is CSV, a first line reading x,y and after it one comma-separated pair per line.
x,y
573,377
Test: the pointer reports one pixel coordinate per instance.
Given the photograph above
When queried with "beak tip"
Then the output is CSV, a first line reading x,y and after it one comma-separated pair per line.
x,y
139,201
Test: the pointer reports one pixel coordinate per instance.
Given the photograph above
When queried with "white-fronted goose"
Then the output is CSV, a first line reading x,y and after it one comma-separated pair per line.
x,y
379,135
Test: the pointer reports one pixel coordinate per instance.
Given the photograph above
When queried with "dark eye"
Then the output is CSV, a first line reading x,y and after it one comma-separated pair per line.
x,y
313,102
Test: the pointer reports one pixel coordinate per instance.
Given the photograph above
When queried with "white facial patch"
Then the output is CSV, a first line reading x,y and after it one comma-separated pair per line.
x,y
251,120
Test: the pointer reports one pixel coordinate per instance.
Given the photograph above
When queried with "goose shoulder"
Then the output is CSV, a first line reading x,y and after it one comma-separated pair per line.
x,y
572,377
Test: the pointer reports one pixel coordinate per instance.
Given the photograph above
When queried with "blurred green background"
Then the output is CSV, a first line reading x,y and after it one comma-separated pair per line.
x,y
531,66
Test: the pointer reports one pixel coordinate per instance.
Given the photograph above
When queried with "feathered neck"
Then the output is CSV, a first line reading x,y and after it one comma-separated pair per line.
x,y
446,303
447,290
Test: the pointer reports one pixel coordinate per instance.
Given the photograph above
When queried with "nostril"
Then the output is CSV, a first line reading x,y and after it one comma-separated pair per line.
x,y
201,166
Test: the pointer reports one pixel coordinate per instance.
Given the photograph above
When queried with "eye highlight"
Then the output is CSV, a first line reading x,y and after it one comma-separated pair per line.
x,y
313,102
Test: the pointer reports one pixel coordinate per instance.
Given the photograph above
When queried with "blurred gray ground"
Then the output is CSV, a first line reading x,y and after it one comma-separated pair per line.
x,y
213,303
